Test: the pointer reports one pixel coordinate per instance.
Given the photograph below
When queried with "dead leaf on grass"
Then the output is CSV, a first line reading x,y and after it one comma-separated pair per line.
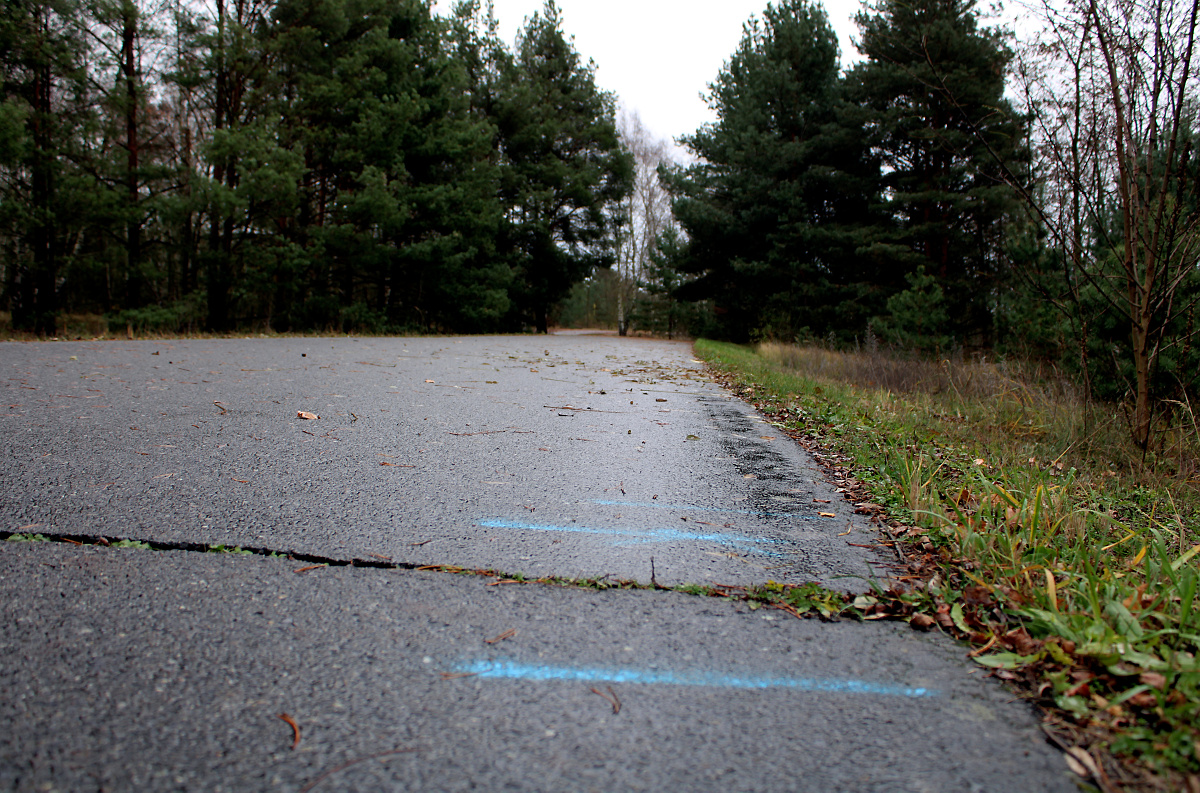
x,y
1082,763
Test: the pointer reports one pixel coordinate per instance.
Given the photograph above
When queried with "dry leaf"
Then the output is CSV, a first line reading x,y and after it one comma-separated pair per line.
x,y
1082,763
750,476
1154,680
767,437
921,621
304,414
827,514
428,381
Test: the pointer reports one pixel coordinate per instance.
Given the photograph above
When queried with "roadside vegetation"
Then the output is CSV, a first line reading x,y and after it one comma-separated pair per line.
x,y
1031,525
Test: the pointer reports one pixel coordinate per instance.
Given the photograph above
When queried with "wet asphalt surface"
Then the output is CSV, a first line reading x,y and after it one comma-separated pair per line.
x,y
568,455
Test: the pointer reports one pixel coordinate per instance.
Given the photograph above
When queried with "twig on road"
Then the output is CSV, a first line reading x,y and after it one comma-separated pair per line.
x,y
346,765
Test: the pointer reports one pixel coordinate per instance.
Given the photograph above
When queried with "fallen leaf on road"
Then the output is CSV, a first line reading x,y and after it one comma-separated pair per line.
x,y
660,400
428,381
396,465
767,437
508,634
820,501
310,567
750,476
243,481
827,514
304,414
295,729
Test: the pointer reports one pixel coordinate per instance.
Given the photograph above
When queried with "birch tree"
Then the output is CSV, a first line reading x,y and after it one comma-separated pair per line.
x,y
647,209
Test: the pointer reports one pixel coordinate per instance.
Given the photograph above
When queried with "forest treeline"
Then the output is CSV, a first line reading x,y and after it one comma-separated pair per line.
x,y
371,165
296,164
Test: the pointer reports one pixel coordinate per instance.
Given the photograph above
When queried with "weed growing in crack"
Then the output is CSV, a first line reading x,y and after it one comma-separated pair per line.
x,y
131,544
27,538
225,549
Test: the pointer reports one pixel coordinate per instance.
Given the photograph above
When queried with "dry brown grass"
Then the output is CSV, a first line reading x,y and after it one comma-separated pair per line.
x,y
69,326
977,378
1028,410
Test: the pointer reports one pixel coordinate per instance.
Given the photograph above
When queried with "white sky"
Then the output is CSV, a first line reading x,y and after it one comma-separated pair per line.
x,y
658,56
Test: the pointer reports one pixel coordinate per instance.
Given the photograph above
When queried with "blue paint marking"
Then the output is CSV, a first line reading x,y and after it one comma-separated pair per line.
x,y
692,507
741,542
511,670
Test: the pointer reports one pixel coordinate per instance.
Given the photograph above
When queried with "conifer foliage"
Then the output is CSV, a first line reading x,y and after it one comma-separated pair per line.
x,y
297,164
782,197
820,196
932,94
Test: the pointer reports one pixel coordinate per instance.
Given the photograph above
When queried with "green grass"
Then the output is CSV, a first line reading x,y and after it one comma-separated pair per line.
x,y
1034,530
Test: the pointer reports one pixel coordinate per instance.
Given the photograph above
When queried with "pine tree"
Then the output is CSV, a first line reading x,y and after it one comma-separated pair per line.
x,y
564,169
779,204
933,91
46,118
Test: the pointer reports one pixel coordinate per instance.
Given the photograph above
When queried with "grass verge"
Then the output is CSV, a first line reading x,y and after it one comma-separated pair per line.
x,y
1028,530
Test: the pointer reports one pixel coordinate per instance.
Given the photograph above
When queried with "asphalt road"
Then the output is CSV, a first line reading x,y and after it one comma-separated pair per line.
x,y
568,455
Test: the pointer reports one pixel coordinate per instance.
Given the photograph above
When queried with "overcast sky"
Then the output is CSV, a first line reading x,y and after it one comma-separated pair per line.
x,y
658,56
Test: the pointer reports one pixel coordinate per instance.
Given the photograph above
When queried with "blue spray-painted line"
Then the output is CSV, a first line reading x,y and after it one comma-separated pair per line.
x,y
741,542
694,508
512,670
